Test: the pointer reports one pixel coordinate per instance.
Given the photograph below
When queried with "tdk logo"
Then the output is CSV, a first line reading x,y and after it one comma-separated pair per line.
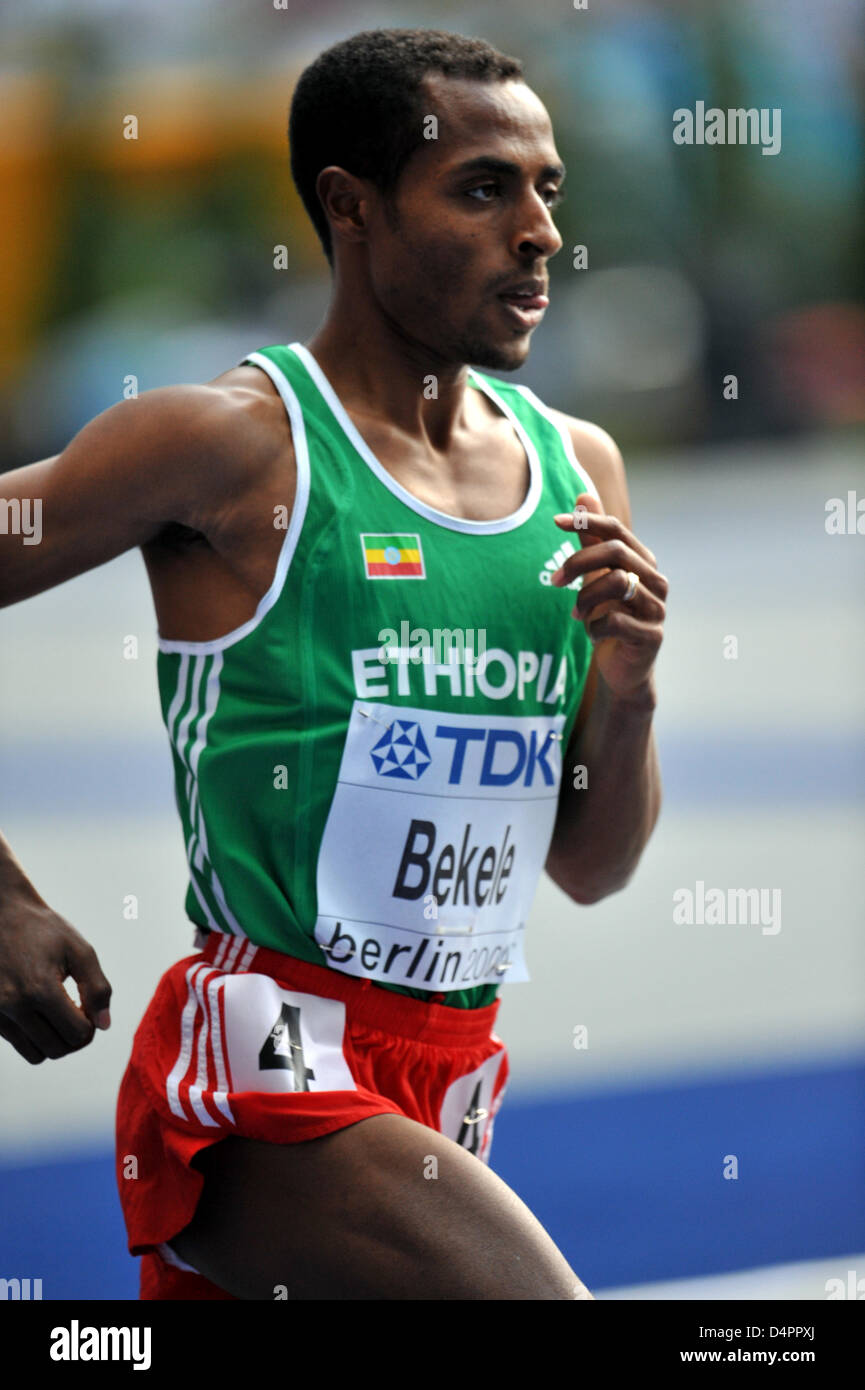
x,y
402,751
508,755
482,757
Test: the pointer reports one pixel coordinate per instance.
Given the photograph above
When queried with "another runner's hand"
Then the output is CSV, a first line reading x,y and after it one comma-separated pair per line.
x,y
38,951
636,628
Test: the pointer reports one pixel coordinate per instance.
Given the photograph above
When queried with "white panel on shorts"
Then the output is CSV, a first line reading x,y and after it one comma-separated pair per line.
x,y
282,1040
465,1102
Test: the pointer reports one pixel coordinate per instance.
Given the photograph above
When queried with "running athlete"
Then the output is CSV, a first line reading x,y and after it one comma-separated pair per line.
x,y
367,799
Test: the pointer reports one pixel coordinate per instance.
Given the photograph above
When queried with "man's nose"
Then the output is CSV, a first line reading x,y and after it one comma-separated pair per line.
x,y
536,231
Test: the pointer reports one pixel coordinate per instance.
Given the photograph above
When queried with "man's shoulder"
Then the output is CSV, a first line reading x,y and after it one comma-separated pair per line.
x,y
227,438
600,456
243,415
232,430
236,420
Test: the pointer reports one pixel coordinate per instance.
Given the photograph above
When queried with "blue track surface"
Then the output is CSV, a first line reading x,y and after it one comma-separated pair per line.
x,y
630,1185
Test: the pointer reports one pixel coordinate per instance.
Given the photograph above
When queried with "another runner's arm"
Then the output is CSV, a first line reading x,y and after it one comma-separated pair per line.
x,y
171,455
602,828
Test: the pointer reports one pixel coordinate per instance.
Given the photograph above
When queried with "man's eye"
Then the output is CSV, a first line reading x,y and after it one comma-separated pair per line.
x,y
485,192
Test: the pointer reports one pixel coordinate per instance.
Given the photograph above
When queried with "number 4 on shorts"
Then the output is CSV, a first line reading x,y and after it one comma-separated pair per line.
x,y
283,1049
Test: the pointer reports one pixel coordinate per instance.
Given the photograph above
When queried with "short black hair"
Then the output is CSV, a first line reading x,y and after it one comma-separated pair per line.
x,y
359,105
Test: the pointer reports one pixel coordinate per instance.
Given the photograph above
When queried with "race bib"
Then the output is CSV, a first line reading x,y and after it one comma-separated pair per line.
x,y
437,835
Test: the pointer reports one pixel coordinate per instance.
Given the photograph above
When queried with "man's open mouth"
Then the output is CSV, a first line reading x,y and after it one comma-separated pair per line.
x,y
525,306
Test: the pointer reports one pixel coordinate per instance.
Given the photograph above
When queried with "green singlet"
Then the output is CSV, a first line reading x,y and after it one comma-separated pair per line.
x,y
367,771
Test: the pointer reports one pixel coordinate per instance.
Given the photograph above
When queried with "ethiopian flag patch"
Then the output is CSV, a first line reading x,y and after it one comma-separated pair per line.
x,y
392,557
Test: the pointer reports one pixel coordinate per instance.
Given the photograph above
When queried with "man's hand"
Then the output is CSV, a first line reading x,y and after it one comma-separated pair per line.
x,y
38,951
626,635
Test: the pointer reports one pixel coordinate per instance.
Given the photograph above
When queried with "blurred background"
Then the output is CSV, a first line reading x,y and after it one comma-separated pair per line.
x,y
651,1054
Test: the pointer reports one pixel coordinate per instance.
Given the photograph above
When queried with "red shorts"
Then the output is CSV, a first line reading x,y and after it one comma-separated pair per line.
x,y
242,1040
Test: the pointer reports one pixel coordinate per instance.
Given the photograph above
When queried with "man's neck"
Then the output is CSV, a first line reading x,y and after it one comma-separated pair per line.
x,y
380,373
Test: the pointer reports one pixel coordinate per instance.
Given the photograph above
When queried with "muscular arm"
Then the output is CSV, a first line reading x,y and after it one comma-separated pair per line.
x,y
603,827
171,455
181,455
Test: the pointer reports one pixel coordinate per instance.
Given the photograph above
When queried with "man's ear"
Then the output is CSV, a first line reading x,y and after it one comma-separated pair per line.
x,y
345,199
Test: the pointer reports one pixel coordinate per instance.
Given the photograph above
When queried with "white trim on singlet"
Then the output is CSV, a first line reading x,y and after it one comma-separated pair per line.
x,y
295,526
563,434
450,523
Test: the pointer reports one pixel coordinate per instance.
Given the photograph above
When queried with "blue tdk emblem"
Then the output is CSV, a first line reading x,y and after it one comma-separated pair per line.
x,y
401,751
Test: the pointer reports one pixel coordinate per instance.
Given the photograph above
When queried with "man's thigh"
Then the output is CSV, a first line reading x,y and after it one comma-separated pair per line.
x,y
385,1209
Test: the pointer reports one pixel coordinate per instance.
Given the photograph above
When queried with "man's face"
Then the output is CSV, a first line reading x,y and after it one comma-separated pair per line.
x,y
461,268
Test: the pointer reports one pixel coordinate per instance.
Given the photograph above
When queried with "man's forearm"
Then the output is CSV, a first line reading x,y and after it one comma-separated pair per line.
x,y
603,826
